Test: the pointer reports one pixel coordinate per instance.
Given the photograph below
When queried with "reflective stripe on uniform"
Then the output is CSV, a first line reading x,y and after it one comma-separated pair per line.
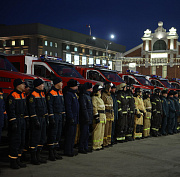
x,y
119,101
121,138
12,157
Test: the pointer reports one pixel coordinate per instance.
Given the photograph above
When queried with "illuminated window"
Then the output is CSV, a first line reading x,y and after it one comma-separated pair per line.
x,y
51,44
45,43
22,42
13,43
91,61
110,64
97,53
104,62
75,49
67,47
98,61
50,53
83,50
68,58
22,51
76,60
13,52
45,52
103,54
55,45
83,60
56,54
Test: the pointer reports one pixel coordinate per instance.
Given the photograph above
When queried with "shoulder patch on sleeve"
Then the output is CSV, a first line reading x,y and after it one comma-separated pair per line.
x,y
48,97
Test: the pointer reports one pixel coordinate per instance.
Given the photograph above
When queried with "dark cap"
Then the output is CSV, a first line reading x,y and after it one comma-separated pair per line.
x,y
88,85
37,82
72,83
57,80
164,91
96,88
17,82
171,92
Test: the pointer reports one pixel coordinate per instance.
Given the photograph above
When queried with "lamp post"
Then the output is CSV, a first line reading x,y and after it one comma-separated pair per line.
x,y
106,45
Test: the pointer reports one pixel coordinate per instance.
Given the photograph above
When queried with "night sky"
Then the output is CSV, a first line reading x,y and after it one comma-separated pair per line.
x,y
126,19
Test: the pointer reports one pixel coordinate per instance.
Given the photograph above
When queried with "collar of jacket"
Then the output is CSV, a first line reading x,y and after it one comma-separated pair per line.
x,y
19,92
97,94
73,91
54,88
38,91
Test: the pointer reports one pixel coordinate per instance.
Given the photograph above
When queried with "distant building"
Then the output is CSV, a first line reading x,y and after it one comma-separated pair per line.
x,y
159,54
37,39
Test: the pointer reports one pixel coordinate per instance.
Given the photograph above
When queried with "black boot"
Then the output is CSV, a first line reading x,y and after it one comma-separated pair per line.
x,y
34,160
39,158
13,164
25,156
22,165
51,155
57,156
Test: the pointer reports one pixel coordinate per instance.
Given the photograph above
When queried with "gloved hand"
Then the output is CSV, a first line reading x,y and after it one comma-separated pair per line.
x,y
36,123
51,122
14,126
97,120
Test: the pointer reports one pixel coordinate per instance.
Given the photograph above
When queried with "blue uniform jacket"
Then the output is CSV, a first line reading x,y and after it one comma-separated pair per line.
x,y
172,109
177,105
2,110
71,106
165,106
115,105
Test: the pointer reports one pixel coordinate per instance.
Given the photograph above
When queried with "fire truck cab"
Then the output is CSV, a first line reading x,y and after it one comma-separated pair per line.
x,y
138,81
8,73
99,74
48,67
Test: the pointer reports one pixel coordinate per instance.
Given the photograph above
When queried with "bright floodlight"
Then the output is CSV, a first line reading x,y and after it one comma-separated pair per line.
x,y
112,36
94,38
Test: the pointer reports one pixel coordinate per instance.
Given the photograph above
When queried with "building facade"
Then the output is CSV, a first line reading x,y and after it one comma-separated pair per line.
x,y
76,48
158,54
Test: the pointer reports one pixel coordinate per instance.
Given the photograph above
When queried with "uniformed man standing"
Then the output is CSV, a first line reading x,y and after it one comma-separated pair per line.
x,y
115,107
121,125
55,104
172,112
147,116
72,116
2,112
156,120
108,101
37,113
85,116
177,106
140,112
165,111
17,112
131,112
99,118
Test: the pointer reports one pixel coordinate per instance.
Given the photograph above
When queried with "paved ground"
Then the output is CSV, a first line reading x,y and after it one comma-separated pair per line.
x,y
155,157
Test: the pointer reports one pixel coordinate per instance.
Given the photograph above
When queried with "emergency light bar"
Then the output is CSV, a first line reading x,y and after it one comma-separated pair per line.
x,y
45,57
131,71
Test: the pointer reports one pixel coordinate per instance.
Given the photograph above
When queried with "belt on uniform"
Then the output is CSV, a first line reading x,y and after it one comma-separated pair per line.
x,y
148,110
59,113
101,111
110,111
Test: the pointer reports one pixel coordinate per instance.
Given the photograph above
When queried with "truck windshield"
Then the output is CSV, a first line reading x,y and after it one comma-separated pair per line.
x,y
112,76
6,65
166,84
64,70
143,80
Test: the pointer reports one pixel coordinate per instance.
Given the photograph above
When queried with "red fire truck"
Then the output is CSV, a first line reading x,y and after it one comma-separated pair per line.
x,y
47,67
100,74
138,81
8,73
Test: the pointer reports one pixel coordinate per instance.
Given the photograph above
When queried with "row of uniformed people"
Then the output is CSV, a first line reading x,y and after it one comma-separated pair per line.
x,y
116,116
